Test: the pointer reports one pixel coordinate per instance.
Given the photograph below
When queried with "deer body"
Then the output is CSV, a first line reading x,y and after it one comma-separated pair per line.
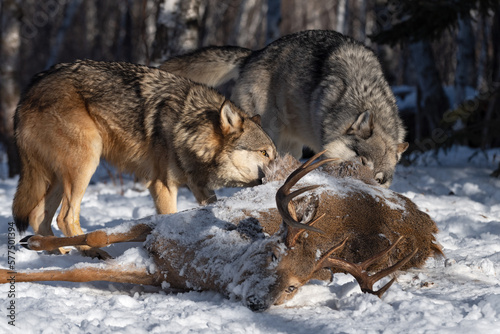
x,y
371,217
244,247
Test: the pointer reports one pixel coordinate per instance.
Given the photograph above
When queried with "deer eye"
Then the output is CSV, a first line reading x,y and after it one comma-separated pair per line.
x,y
264,153
290,289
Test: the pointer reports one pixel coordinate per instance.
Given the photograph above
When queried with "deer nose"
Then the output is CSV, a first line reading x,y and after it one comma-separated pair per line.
x,y
256,304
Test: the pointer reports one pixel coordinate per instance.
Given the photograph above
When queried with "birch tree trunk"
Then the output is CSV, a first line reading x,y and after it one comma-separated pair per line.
x,y
249,24
177,28
342,16
9,89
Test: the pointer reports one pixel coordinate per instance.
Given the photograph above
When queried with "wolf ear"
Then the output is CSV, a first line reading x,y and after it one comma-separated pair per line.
x,y
402,147
230,120
256,119
363,126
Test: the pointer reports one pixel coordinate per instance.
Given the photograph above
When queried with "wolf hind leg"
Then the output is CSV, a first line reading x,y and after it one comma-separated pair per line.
x,y
68,220
37,199
77,164
31,191
41,216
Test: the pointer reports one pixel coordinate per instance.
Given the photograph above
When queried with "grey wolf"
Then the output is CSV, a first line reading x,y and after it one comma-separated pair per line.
x,y
315,88
264,256
166,129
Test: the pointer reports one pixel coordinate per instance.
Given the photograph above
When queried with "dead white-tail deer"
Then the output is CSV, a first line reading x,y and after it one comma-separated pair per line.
x,y
358,229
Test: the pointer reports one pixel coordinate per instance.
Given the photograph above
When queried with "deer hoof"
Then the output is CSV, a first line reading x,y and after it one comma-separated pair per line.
x,y
25,242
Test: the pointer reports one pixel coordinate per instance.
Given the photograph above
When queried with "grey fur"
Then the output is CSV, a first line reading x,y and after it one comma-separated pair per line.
x,y
315,88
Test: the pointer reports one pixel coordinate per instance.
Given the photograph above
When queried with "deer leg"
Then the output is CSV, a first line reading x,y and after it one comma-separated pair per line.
x,y
134,275
359,272
96,239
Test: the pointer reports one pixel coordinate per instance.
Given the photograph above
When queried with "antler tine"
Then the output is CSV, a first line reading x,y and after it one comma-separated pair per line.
x,y
283,201
381,254
359,272
284,197
286,207
328,253
303,170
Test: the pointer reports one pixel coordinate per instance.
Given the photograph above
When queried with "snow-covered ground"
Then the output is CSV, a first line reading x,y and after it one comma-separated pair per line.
x,y
459,294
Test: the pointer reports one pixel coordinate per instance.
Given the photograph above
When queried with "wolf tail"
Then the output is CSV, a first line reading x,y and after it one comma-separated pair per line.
x,y
31,189
212,66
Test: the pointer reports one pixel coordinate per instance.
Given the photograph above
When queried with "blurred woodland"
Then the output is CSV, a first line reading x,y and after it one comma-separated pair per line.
x,y
441,56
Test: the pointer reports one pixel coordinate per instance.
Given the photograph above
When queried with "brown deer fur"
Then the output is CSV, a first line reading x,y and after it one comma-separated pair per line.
x,y
223,247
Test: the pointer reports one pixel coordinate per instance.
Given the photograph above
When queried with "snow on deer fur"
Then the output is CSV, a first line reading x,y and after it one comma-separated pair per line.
x,y
248,249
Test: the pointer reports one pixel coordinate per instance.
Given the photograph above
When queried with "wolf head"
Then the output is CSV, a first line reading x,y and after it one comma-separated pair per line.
x,y
367,140
246,149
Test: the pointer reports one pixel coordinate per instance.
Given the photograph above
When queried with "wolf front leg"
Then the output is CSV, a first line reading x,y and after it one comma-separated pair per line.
x,y
204,196
164,195
96,239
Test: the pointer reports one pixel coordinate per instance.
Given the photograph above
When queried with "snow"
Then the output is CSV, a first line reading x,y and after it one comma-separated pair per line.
x,y
458,294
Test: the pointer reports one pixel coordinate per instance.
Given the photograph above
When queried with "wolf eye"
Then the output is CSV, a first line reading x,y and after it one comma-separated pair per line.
x,y
290,289
264,153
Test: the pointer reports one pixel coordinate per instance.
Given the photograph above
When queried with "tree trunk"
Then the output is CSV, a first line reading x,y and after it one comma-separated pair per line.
x,y
273,20
342,16
69,14
465,73
493,85
9,88
177,29
249,23
432,102
362,20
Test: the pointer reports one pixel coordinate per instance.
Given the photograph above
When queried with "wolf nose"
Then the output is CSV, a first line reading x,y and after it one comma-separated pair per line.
x,y
256,304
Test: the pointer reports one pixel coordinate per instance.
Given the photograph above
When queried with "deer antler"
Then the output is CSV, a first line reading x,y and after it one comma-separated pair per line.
x,y
295,228
359,272
286,207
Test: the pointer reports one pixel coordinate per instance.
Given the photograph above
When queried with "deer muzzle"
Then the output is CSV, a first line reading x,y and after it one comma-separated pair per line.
x,y
257,304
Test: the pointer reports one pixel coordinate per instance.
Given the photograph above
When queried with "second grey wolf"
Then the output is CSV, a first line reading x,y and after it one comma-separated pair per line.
x,y
166,129
315,88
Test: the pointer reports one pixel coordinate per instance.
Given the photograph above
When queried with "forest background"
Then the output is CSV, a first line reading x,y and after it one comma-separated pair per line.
x,y
442,57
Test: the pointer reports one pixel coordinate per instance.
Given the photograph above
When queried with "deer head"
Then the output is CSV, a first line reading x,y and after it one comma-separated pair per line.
x,y
202,250
296,256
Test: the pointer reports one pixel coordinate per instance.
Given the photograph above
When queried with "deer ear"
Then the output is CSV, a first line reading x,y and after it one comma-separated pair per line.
x,y
363,126
256,119
230,120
